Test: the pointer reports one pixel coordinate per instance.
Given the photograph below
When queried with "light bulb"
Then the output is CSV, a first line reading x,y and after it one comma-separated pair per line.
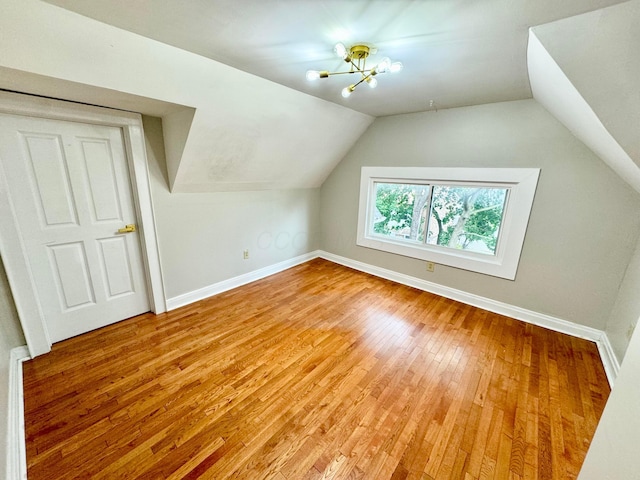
x,y
384,65
395,67
313,75
346,91
372,82
340,50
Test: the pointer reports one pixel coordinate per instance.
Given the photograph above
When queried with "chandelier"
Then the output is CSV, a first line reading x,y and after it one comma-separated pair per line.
x,y
356,57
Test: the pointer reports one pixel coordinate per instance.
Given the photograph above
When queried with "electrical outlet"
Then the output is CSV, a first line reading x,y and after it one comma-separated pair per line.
x,y
245,254
431,266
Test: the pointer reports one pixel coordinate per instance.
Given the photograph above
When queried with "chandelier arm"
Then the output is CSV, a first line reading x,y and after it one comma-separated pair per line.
x,y
362,72
357,67
361,80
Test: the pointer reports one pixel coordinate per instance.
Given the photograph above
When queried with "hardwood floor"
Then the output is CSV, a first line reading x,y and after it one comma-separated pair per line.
x,y
316,372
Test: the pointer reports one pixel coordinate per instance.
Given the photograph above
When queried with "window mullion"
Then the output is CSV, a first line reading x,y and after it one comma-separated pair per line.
x,y
427,216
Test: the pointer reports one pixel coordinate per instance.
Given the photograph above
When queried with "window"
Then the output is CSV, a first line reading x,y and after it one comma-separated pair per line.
x,y
471,218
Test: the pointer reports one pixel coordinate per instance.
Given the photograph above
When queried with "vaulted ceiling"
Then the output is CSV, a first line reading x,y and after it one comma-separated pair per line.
x,y
228,77
455,52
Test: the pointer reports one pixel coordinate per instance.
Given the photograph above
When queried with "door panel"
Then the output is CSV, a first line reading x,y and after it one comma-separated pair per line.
x,y
69,183
102,188
71,275
116,266
49,178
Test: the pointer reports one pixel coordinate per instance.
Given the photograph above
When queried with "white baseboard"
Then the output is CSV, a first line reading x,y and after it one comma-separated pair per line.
x,y
609,360
16,448
223,286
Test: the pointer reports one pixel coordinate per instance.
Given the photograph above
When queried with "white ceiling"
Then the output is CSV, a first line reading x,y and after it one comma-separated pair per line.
x,y
228,77
455,52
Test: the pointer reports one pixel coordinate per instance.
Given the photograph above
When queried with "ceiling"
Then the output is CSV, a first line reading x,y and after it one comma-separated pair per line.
x,y
228,77
455,52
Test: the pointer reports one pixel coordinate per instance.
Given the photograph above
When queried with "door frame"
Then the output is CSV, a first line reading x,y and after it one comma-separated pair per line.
x,y
12,248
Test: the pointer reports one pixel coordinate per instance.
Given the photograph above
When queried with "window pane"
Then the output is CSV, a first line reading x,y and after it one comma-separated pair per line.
x,y
466,218
399,211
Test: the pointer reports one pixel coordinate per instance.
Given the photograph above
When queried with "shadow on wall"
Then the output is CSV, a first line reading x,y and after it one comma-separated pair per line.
x,y
10,329
154,143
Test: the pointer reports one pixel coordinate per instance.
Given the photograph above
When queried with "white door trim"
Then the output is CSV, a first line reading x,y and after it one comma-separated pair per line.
x,y
12,249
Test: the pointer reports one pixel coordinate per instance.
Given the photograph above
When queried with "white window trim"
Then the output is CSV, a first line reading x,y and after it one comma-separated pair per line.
x,y
522,183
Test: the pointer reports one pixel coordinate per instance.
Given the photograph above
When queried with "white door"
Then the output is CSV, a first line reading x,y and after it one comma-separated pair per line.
x,y
70,188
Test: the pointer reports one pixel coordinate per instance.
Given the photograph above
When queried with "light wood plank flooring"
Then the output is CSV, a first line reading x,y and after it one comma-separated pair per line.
x,y
316,372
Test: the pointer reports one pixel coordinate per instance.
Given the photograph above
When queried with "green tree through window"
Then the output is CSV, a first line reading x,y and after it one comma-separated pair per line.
x,y
466,218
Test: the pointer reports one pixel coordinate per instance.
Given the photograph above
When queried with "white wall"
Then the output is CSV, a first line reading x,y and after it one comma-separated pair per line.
x,y
556,93
247,133
10,337
598,53
613,454
584,224
202,235
626,310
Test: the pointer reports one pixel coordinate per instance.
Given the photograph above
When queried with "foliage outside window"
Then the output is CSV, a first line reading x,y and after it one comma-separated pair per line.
x,y
467,218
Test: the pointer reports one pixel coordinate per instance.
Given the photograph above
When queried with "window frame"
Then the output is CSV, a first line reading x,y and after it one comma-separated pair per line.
x,y
521,182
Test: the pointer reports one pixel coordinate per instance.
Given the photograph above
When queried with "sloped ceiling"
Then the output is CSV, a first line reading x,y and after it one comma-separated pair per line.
x,y
455,52
586,71
227,77
225,129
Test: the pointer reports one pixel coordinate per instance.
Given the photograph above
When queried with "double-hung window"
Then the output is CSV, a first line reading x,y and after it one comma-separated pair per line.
x,y
470,218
